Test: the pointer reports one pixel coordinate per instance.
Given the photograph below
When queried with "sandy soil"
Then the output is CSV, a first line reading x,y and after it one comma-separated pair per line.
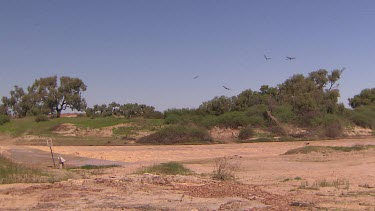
x,y
265,180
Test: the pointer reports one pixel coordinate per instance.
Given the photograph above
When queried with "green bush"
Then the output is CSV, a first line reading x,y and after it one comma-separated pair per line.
x,y
178,134
284,113
364,116
154,115
41,118
173,119
246,133
4,119
256,115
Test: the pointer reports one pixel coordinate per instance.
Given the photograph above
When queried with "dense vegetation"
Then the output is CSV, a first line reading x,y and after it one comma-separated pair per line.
x,y
309,102
45,96
130,110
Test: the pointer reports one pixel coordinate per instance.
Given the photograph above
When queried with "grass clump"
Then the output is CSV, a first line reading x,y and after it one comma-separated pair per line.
x,y
178,134
338,183
90,167
170,168
11,172
321,149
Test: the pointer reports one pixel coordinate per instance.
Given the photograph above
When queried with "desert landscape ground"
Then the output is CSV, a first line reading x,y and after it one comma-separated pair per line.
x,y
266,178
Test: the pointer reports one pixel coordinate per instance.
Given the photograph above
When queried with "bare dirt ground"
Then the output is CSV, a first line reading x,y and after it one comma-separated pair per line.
x,y
265,180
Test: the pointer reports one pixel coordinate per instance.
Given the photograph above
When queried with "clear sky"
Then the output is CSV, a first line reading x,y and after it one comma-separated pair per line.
x,y
150,51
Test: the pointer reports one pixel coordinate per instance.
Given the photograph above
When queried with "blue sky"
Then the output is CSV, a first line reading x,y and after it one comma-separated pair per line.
x,y
149,51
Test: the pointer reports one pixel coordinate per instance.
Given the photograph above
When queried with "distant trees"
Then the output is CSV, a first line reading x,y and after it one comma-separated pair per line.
x,y
45,96
129,110
313,94
366,97
218,105
306,97
18,104
47,93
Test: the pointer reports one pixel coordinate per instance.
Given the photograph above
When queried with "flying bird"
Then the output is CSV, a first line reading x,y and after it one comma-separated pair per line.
x,y
226,88
290,58
267,58
196,77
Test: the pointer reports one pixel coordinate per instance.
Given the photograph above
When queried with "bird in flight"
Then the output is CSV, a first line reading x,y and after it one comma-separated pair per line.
x,y
290,58
226,88
267,58
196,77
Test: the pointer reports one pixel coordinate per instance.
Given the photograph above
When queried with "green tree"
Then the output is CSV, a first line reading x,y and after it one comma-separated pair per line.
x,y
18,104
366,97
48,93
218,105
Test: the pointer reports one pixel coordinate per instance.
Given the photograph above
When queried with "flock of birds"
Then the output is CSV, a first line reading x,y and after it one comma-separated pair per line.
x,y
267,58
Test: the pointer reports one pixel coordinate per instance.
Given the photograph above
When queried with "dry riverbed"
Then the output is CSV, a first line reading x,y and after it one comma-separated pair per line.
x,y
266,179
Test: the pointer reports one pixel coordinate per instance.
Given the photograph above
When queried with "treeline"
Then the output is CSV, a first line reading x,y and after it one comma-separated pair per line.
x,y
310,102
307,101
300,99
129,110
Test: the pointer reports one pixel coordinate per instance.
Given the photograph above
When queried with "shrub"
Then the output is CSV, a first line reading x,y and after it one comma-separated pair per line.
x,y
256,115
333,126
225,168
4,119
284,113
172,119
154,115
170,168
178,134
277,130
41,118
246,133
364,116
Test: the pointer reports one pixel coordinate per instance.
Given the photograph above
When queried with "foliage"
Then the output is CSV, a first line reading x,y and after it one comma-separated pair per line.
x,y
284,113
41,118
217,106
178,134
18,104
364,116
232,120
48,93
246,133
4,119
256,115
45,96
366,97
130,110
301,100
333,126
170,168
